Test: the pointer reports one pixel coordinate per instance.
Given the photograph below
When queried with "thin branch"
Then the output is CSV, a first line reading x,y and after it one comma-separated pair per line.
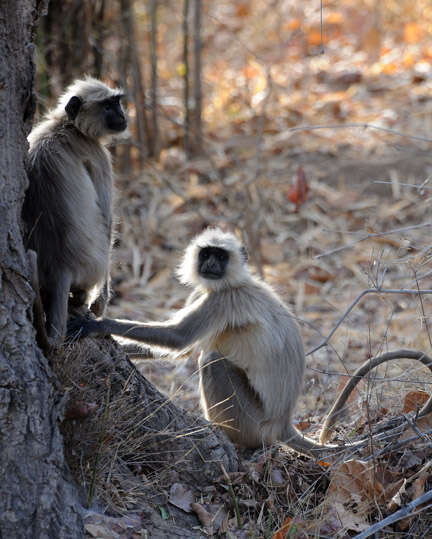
x,y
424,317
398,515
321,28
354,124
423,436
358,298
421,188
375,378
374,235
391,447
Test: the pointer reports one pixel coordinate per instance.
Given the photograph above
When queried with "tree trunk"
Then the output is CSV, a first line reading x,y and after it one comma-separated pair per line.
x,y
67,36
186,137
154,78
132,61
129,434
125,441
197,78
37,498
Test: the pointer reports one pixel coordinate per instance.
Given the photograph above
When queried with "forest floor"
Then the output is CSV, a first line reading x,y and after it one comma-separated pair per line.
x,y
348,235
326,213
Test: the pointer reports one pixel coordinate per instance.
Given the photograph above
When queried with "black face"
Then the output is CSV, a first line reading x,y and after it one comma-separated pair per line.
x,y
115,119
212,262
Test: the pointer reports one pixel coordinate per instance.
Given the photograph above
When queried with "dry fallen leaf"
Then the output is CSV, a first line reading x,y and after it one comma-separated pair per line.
x,y
419,485
414,400
282,532
204,516
298,192
413,32
354,480
396,500
353,493
350,520
181,497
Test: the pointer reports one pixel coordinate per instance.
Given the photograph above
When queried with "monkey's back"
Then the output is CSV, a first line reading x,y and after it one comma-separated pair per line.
x,y
67,208
262,338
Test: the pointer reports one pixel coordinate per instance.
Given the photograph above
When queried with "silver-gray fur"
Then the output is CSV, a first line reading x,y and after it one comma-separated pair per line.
x,y
68,205
252,360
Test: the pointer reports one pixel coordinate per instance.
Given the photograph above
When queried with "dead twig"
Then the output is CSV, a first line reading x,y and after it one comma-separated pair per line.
x,y
408,291
394,447
419,433
373,235
398,515
358,124
421,188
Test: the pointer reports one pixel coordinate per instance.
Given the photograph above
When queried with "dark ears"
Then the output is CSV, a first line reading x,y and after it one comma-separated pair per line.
x,y
73,106
244,254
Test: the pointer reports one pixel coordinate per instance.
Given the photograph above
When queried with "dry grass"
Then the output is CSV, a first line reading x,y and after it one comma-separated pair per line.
x,y
111,458
243,183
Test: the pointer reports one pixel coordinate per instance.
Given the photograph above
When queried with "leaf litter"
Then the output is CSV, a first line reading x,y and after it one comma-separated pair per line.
x,y
287,492
317,209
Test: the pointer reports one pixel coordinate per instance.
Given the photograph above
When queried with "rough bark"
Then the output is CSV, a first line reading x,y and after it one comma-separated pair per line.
x,y
129,436
131,61
36,496
127,420
67,37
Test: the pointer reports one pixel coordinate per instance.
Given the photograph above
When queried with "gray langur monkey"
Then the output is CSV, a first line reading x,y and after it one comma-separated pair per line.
x,y
67,211
252,361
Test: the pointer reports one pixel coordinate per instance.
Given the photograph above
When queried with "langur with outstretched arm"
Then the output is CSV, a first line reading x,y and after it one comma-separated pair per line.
x,y
252,361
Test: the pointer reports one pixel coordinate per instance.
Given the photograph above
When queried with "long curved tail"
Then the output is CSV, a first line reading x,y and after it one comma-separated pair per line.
x,y
360,373
307,446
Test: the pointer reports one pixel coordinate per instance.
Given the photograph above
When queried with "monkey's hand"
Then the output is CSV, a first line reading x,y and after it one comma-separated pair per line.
x,y
82,326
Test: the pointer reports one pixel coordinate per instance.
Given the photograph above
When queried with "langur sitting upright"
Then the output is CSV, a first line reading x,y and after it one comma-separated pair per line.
x,y
252,362
68,205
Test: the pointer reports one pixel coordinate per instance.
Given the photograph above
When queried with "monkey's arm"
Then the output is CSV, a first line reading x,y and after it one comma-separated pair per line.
x,y
361,373
189,326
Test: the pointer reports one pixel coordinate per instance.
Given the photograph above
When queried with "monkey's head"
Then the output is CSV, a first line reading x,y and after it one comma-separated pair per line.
x,y
214,260
94,108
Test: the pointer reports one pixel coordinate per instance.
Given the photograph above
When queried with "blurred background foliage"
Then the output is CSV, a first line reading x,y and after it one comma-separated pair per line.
x,y
240,61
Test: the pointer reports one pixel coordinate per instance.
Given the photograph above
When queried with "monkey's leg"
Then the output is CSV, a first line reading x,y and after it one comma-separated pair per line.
x,y
38,310
56,302
98,307
230,401
360,373
78,302
78,299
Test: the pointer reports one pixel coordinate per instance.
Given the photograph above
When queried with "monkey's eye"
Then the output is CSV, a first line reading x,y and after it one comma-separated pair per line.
x,y
107,107
222,257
